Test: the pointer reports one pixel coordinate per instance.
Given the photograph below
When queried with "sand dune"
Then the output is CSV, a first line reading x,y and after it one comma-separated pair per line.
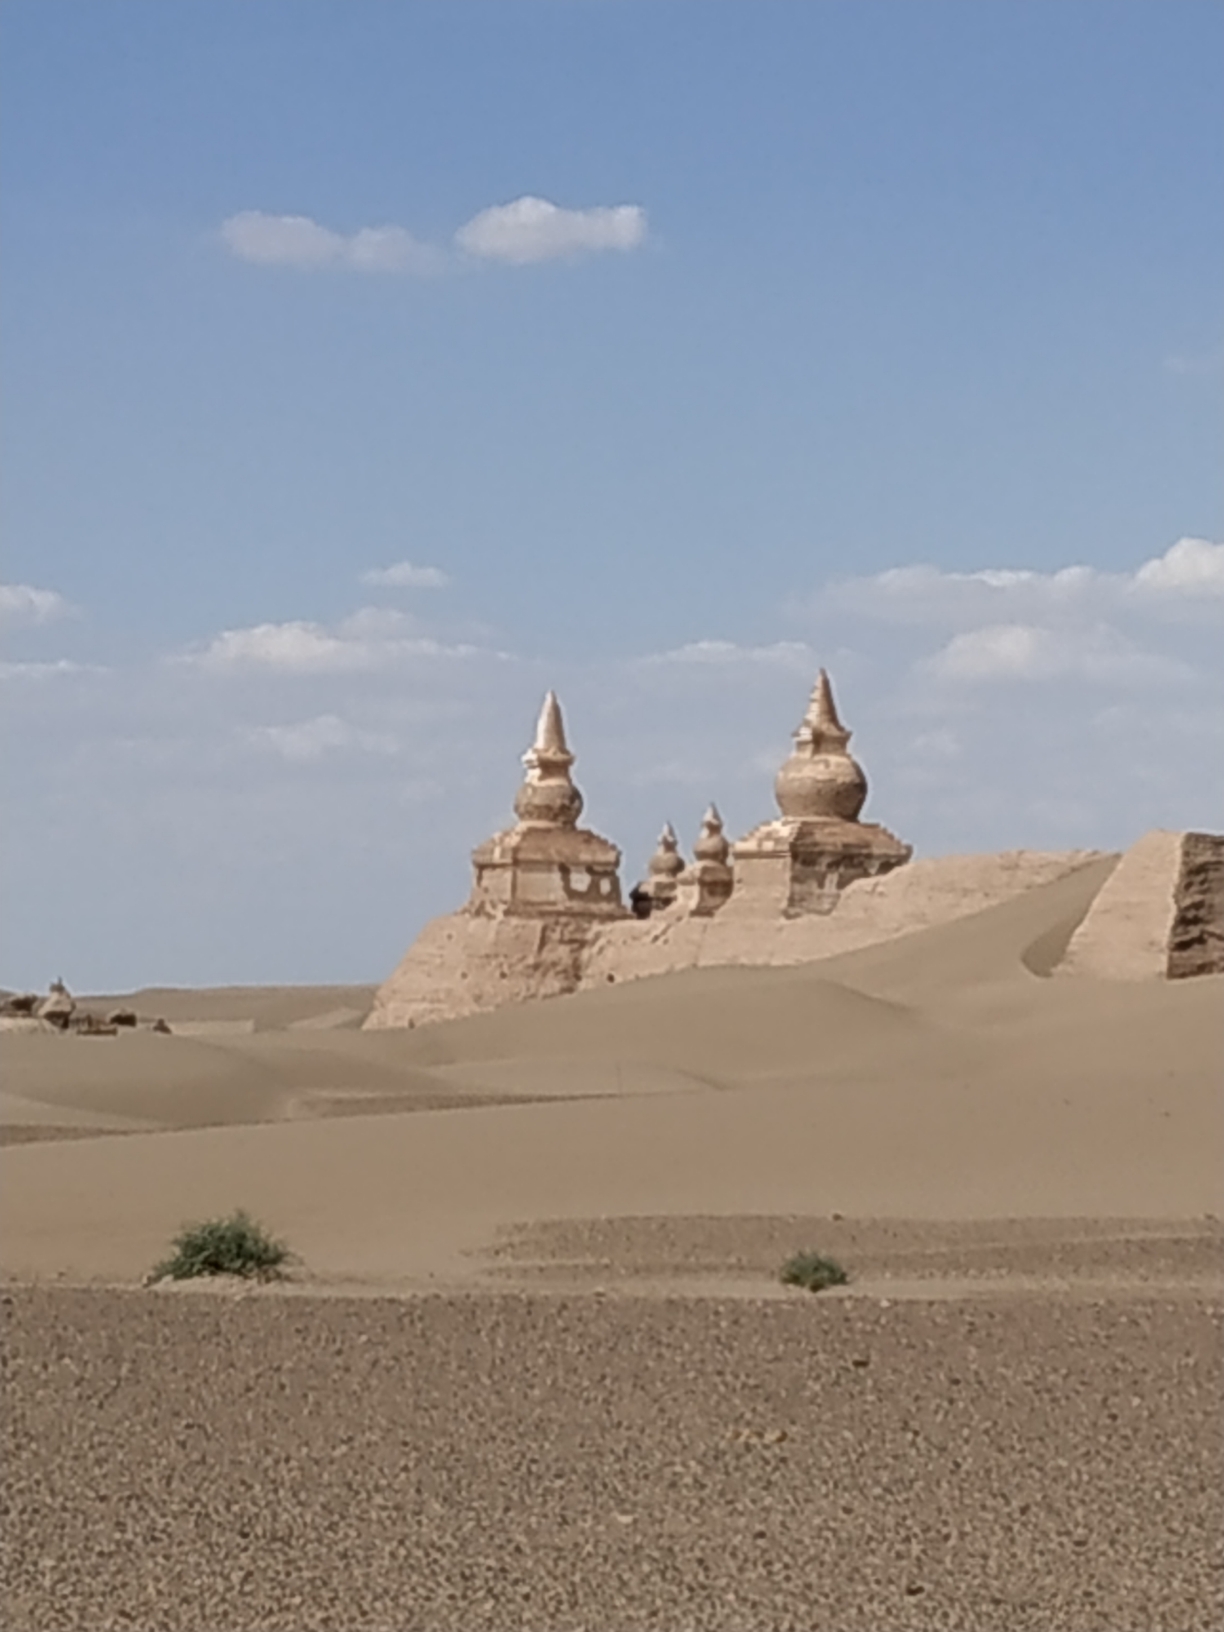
x,y
933,1077
634,1422
268,1007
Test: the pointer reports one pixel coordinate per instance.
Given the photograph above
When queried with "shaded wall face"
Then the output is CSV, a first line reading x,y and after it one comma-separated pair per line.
x,y
549,888
1196,937
816,882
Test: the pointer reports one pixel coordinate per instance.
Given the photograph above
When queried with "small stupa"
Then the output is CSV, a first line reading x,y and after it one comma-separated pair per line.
x,y
800,862
657,892
706,886
546,865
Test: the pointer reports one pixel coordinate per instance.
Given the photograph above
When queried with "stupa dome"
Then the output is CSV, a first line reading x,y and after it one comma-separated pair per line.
x,y
712,844
667,862
821,780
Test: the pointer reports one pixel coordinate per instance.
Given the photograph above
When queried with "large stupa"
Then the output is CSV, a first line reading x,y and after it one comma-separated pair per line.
x,y
543,890
802,860
546,865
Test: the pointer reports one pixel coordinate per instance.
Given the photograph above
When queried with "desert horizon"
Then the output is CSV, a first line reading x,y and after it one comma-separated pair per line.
x,y
579,1208
612,957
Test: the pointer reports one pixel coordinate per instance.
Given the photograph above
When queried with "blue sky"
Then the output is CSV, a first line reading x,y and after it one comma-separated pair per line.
x,y
679,348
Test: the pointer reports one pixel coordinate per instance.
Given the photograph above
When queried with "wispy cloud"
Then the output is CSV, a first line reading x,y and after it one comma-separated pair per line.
x,y
371,639
22,603
404,575
1020,651
296,240
533,229
524,231
790,654
1189,575
46,671
309,740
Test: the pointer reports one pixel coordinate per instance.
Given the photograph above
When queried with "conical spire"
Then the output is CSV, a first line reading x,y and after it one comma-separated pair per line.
x,y
712,842
548,797
822,727
550,731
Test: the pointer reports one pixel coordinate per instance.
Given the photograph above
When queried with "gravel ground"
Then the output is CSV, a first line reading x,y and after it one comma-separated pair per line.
x,y
546,1461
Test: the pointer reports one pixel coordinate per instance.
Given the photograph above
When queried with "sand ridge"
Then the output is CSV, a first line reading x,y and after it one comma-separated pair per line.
x,y
935,1076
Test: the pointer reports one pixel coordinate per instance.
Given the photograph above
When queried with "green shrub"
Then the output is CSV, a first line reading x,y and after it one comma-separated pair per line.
x,y
223,1246
813,1272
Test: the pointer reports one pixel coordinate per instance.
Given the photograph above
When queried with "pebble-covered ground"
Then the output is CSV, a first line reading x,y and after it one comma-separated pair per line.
x,y
543,1461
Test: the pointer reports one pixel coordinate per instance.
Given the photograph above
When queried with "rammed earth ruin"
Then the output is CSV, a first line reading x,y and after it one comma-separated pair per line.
x,y
547,915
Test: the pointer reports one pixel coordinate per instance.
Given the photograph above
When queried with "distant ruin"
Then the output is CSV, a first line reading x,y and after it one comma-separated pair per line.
x,y
59,1012
547,916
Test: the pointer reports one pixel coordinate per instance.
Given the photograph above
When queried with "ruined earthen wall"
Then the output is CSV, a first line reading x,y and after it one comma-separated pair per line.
x,y
911,898
469,962
1160,916
1196,940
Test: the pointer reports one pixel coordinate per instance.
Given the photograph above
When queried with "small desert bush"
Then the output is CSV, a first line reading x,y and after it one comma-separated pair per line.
x,y
223,1246
813,1272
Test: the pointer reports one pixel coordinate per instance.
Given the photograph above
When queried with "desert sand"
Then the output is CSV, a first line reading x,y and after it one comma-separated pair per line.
x,y
534,1366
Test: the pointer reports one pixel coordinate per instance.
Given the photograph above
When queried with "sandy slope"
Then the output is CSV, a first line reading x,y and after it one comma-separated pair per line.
x,y
935,1077
267,1007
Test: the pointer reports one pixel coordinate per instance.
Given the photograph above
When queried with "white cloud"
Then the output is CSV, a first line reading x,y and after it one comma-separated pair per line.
x,y
926,594
296,240
46,671
311,739
1019,651
532,229
371,638
292,648
1192,567
526,230
1188,576
22,603
791,654
403,575
377,623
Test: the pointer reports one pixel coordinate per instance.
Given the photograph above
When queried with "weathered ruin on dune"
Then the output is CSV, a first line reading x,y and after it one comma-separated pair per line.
x,y
547,915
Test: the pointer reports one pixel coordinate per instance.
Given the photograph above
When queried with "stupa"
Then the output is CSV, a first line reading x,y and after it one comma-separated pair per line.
x,y
546,865
545,918
544,890
800,862
665,866
705,886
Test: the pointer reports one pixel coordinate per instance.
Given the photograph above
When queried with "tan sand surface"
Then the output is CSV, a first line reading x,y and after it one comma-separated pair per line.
x,y
934,1077
270,1007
